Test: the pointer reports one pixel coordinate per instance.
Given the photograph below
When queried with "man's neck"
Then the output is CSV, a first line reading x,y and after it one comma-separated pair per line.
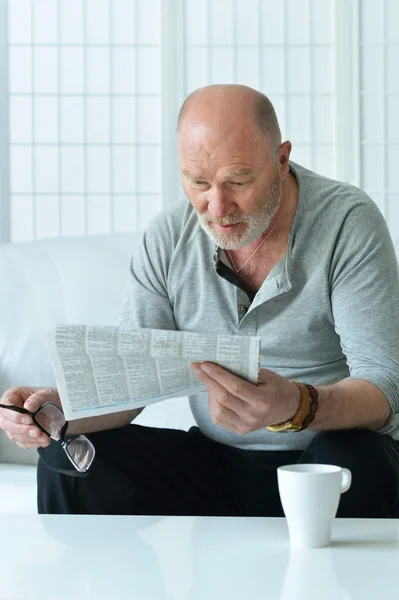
x,y
277,242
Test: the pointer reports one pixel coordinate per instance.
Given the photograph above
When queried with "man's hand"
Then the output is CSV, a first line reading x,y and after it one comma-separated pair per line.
x,y
240,406
20,428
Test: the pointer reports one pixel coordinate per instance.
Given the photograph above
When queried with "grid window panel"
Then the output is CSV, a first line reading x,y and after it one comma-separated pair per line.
x,y
125,212
371,21
21,170
149,170
298,22
273,74
124,170
71,120
196,25
379,89
299,118
284,49
73,214
149,71
84,86
45,21
98,214
123,21
323,70
45,64
372,119
247,19
97,76
20,120
298,70
22,218
273,22
19,22
248,67
197,71
372,69
221,65
124,120
149,120
46,175
47,217
372,159
322,21
97,21
98,170
323,159
20,70
392,58
221,22
322,123
71,19
147,210
149,22
124,70
72,175
392,117
46,120
392,21
97,120
71,70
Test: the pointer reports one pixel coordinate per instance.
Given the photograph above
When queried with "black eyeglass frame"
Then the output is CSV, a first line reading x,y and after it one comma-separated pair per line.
x,y
77,472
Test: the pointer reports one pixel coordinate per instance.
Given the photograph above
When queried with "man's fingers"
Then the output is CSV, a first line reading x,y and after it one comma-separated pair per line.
x,y
236,386
36,400
22,430
29,442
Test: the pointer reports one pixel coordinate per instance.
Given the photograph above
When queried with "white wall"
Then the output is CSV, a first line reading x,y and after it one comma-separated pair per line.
x,y
94,87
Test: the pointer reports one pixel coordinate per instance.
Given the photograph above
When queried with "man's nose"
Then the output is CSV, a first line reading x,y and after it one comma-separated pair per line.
x,y
219,204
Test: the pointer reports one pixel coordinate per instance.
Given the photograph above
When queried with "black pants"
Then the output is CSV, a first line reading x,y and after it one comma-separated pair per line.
x,y
149,471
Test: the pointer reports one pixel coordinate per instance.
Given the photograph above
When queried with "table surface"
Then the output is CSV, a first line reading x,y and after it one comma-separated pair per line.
x,y
193,558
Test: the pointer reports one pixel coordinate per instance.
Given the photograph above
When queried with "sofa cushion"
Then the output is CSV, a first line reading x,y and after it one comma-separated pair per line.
x,y
60,280
63,280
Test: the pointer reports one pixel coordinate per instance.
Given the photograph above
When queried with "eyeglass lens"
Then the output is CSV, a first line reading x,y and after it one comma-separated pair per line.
x,y
52,419
79,449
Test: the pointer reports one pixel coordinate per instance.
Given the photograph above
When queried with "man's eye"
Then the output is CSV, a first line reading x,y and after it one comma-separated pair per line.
x,y
239,183
198,182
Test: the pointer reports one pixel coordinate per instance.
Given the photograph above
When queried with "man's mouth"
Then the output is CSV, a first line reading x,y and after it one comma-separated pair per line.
x,y
230,227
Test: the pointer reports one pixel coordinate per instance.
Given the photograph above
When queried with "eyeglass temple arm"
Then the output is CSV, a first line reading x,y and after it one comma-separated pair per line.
x,y
18,409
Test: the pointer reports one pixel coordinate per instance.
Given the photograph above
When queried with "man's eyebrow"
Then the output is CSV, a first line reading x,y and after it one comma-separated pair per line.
x,y
241,173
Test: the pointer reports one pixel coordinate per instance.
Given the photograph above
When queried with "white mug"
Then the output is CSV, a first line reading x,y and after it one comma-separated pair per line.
x,y
310,495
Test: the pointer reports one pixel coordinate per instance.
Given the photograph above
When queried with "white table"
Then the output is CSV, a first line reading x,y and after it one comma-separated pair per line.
x,y
189,558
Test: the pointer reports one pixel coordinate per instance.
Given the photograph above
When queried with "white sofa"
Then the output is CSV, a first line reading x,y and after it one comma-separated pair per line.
x,y
60,280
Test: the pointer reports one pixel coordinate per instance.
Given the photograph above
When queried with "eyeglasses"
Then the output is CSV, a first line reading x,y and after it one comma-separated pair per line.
x,y
78,448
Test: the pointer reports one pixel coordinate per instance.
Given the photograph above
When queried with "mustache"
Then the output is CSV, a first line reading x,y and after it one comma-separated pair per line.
x,y
229,220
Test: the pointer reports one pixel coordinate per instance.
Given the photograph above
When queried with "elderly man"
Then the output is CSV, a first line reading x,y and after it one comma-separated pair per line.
x,y
260,246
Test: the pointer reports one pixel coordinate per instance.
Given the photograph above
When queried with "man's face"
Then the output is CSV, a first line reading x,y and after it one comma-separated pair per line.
x,y
233,184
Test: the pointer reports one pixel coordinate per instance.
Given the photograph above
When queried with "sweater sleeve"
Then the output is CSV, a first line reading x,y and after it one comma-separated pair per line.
x,y
146,302
364,282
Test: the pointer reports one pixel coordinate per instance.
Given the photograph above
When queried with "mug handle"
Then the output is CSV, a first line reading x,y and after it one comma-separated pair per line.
x,y
346,480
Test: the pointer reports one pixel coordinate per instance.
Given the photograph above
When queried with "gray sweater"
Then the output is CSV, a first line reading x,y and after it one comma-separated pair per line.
x,y
328,310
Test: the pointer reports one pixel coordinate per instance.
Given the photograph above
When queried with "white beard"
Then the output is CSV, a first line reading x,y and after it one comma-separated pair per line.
x,y
257,222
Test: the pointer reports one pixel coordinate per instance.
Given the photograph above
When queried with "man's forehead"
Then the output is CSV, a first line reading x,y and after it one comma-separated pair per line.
x,y
232,170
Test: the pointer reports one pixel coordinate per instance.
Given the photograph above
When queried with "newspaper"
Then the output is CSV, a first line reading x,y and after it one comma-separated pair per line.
x,y
102,369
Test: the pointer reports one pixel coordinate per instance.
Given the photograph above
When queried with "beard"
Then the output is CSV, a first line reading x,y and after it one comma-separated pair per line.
x,y
257,222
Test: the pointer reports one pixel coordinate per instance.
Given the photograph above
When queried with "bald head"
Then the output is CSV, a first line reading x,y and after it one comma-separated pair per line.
x,y
222,107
